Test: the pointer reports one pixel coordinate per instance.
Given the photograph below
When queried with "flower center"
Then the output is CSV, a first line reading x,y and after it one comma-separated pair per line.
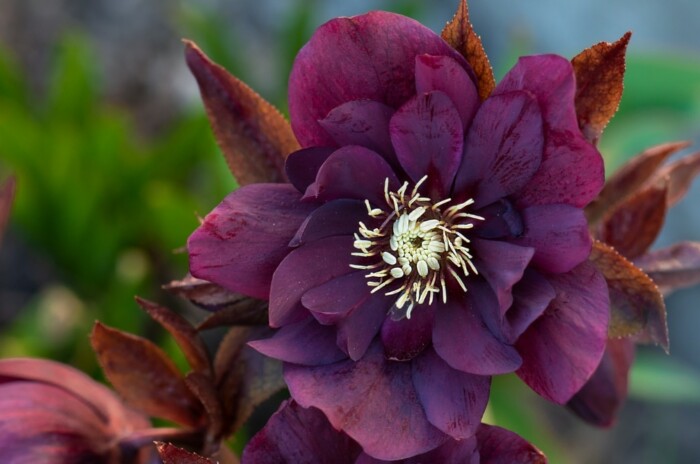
x,y
417,244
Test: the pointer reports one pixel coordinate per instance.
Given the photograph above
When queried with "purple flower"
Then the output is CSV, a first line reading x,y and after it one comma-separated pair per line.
x,y
427,239
304,436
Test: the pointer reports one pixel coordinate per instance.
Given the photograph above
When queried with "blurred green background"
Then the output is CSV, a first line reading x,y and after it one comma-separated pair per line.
x,y
102,125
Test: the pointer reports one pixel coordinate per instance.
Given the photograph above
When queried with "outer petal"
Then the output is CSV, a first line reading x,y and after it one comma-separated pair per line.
x,y
405,339
364,123
562,349
372,400
305,268
352,172
367,57
242,240
300,436
302,166
445,74
531,296
504,148
501,446
428,137
463,340
451,452
558,233
453,401
332,301
306,342
337,217
357,330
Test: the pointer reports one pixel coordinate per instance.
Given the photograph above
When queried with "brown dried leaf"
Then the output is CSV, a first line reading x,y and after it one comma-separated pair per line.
x,y
185,335
636,305
460,34
673,268
629,178
7,193
253,134
171,454
202,386
635,223
144,376
681,175
599,71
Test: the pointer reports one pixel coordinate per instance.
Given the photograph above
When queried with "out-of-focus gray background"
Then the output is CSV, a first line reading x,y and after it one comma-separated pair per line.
x,y
95,98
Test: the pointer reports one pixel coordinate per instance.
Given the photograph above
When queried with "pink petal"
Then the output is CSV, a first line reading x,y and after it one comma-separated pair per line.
x,y
372,400
428,137
245,237
366,57
562,349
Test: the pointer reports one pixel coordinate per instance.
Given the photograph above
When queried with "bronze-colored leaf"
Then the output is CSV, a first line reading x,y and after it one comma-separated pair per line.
x,y
673,268
7,193
636,305
635,223
249,312
144,376
171,454
460,34
599,71
253,134
680,174
183,332
629,178
202,386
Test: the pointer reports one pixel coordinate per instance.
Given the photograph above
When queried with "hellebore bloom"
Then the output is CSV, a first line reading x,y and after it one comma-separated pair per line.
x,y
304,436
50,412
427,239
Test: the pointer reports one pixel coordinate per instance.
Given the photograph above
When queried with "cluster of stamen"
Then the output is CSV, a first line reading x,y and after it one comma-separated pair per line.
x,y
417,244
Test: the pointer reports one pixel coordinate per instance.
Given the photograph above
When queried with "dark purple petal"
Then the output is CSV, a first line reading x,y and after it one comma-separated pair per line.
x,y
367,57
364,123
600,399
372,400
501,446
447,75
531,296
407,338
463,340
306,342
242,240
562,348
357,330
502,265
337,217
302,166
558,233
332,301
451,452
353,172
501,220
453,401
305,268
428,138
503,149
300,436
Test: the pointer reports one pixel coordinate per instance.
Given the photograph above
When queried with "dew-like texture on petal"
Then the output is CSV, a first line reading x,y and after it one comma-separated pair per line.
x,y
531,295
445,74
463,340
245,237
305,268
352,172
372,400
296,435
367,57
306,342
562,349
358,329
337,217
302,166
503,149
558,233
500,446
428,137
453,401
364,123
502,264
405,339
331,302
